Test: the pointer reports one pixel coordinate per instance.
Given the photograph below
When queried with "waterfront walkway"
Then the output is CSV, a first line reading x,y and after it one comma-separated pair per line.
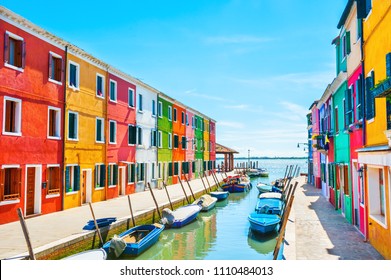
x,y
315,231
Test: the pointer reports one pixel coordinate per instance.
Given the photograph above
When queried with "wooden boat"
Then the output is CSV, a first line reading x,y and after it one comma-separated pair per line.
x,y
264,188
206,201
181,216
101,223
234,184
263,172
269,206
95,254
134,241
220,195
263,223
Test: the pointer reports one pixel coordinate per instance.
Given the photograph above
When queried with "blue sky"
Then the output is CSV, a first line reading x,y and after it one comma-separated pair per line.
x,y
255,66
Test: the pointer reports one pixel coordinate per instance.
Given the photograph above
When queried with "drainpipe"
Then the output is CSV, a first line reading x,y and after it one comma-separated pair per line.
x,y
157,136
63,125
364,139
107,136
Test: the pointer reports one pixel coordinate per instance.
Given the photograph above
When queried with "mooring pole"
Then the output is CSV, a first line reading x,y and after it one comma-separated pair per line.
x,y
169,200
187,199
206,178
26,234
154,199
202,180
192,194
131,211
216,181
96,224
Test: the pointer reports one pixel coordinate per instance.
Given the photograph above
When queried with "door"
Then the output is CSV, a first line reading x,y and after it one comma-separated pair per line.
x,y
122,181
30,197
84,188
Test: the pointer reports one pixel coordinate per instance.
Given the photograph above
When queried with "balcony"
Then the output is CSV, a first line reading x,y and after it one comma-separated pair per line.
x,y
382,89
319,143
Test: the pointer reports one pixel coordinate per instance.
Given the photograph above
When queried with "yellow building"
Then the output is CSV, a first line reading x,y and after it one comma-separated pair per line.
x,y
85,129
376,155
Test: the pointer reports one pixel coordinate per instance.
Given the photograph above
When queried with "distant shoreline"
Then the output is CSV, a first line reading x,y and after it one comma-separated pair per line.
x,y
252,158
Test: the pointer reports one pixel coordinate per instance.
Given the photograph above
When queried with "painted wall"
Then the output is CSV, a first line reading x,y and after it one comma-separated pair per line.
x,y
85,152
32,146
199,154
206,143
190,153
212,139
147,153
179,128
121,152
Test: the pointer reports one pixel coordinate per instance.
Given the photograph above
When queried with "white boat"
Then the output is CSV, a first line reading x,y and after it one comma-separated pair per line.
x,y
206,201
95,254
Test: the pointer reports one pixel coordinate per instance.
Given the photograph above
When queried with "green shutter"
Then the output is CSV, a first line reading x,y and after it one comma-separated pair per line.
x,y
98,130
109,175
71,125
115,175
102,175
133,173
77,178
348,48
170,169
142,172
67,178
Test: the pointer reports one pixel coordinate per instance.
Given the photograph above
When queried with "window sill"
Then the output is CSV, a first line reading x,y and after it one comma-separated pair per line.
x,y
141,112
73,88
73,140
112,186
100,97
52,195
380,219
131,107
71,193
54,138
99,188
99,142
113,101
12,133
113,143
8,202
20,69
55,82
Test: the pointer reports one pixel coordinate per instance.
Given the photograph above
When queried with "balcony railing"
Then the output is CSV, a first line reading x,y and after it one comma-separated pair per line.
x,y
382,89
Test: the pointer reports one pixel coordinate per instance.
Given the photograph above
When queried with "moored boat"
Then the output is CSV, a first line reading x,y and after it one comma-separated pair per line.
x,y
269,206
94,254
206,201
264,188
181,216
220,195
101,223
236,184
134,241
263,223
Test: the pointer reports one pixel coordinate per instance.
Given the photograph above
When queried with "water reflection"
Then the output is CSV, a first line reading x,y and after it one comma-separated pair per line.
x,y
263,244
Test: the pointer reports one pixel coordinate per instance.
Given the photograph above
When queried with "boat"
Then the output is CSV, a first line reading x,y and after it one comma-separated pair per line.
x,y
234,185
220,195
264,188
276,195
264,223
206,201
263,172
101,223
269,206
181,216
133,241
94,254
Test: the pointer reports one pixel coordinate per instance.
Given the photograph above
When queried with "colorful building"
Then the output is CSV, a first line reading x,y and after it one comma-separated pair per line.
x,y
212,143
375,157
315,153
179,141
190,152
199,144
31,117
206,145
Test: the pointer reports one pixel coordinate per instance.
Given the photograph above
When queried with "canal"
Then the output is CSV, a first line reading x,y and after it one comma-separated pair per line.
x,y
223,233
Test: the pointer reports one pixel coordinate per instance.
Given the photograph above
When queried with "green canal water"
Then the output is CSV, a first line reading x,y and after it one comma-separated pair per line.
x,y
224,232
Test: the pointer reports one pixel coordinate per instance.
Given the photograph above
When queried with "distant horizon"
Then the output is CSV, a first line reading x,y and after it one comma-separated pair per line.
x,y
275,157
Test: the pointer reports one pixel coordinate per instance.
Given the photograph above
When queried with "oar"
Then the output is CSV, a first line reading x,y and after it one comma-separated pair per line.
x,y
96,224
154,199
26,234
131,211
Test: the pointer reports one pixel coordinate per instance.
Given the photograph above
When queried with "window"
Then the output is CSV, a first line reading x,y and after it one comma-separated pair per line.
x,y
376,194
12,116
99,134
169,140
100,86
73,123
160,109
388,64
368,6
196,123
112,175
54,123
194,144
153,171
53,180
359,98
349,117
176,141
153,108
187,120
140,102
141,172
175,114
131,97
159,140
55,68
336,120
183,117
100,176
14,51
72,178
139,135
346,44
113,91
74,75
170,169
113,132
370,101
131,173
176,168
192,122
185,167
169,113
159,170
10,183
132,135
154,138
184,143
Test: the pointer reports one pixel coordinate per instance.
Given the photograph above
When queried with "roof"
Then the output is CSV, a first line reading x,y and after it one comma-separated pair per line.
x,y
220,149
345,14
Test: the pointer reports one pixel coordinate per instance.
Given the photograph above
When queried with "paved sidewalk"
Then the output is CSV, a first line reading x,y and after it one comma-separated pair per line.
x,y
52,229
316,231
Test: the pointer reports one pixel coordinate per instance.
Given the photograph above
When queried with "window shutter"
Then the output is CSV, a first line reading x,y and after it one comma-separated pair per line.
x,y
102,175
388,64
2,171
50,66
23,54
115,174
67,178
77,178
133,173
348,48
109,175
71,125
170,169
98,130
6,48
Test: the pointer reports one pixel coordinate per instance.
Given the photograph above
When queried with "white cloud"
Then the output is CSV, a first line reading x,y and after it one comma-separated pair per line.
x,y
193,92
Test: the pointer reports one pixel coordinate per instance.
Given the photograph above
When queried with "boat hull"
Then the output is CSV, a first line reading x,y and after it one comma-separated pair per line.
x,y
95,254
264,223
181,216
101,223
220,195
269,206
235,188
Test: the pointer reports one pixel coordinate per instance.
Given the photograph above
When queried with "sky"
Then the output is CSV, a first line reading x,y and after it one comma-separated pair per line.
x,y
254,66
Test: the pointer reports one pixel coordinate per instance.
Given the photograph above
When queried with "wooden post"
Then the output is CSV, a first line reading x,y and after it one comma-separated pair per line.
x,y
216,181
206,178
187,199
283,226
26,234
169,199
131,211
202,180
154,199
96,224
192,194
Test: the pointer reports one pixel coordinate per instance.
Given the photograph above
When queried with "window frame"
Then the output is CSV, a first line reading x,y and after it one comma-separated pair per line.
x,y
102,130
55,56
77,78
153,112
115,132
169,113
140,103
103,86
23,52
169,141
18,116
57,123
76,126
115,91
160,109
131,91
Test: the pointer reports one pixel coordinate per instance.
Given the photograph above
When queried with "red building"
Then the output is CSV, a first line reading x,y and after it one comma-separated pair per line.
x,y
122,134
179,142
31,118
